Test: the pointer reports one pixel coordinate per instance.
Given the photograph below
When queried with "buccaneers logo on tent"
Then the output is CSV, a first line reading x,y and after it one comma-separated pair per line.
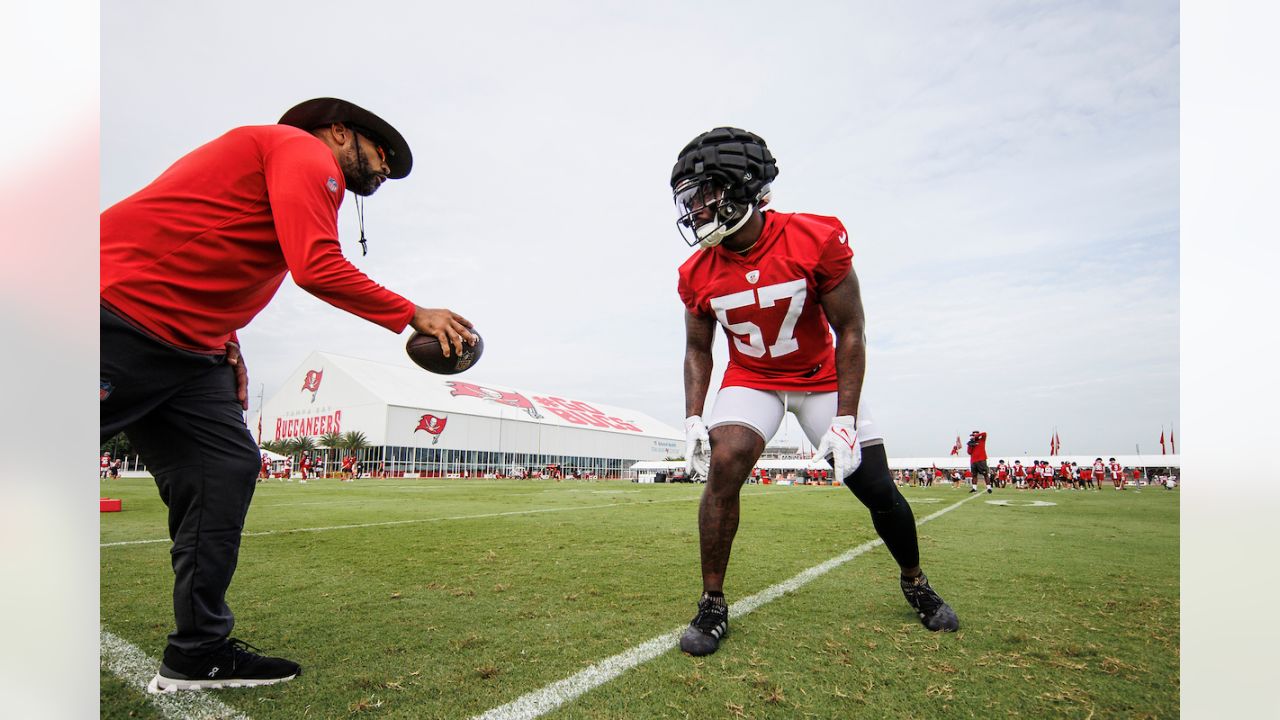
x,y
312,382
433,425
514,399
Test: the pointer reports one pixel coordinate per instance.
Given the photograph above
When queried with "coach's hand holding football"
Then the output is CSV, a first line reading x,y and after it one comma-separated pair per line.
x,y
186,262
450,328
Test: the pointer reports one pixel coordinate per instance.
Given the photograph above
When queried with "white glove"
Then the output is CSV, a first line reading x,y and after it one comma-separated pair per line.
x,y
841,445
697,446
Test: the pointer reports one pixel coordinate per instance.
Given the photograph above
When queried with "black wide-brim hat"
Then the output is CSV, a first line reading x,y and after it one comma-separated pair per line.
x,y
319,112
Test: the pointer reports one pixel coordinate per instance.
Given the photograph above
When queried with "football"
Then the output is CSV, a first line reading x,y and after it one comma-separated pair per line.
x,y
425,352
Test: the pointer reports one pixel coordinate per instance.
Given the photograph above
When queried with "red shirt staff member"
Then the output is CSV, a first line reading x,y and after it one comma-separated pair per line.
x,y
977,449
186,262
777,283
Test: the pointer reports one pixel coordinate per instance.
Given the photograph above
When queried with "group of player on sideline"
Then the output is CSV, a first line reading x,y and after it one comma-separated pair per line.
x,y
307,466
1036,475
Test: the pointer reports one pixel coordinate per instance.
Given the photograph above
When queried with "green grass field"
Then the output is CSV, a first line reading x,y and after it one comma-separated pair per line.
x,y
461,596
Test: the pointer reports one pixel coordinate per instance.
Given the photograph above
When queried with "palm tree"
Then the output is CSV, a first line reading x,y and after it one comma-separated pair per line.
x,y
303,444
330,441
354,441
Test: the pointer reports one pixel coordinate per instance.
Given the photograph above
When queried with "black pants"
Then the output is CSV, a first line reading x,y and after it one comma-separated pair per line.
x,y
180,412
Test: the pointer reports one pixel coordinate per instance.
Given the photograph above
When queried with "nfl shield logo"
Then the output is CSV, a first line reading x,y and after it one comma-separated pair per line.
x,y
332,184
753,276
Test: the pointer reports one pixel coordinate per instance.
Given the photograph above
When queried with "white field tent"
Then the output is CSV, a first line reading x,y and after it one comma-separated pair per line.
x,y
420,423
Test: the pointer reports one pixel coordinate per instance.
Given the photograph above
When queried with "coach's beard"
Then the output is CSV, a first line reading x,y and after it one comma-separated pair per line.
x,y
361,179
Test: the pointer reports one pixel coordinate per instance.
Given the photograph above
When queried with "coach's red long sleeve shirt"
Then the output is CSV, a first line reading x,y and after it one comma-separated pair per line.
x,y
195,255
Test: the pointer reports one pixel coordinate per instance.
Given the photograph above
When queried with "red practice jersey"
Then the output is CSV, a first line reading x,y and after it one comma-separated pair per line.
x,y
767,301
195,255
978,450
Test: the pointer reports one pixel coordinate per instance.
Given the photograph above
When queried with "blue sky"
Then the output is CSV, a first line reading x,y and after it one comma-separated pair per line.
x,y
1008,174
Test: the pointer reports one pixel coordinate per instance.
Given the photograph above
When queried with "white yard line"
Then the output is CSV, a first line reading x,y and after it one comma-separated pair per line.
x,y
133,666
540,702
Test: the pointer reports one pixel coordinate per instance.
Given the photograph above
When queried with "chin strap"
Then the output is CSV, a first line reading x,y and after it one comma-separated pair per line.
x,y
363,166
721,232
364,244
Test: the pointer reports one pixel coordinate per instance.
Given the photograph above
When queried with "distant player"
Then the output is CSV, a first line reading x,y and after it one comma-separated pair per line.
x,y
1019,473
104,466
977,448
1002,474
304,465
778,284
1099,471
1117,473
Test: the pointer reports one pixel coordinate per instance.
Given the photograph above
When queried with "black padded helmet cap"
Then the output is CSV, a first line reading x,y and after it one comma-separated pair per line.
x,y
319,112
736,157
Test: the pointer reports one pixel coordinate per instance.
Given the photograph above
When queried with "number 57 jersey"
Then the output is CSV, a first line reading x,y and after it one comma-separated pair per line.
x,y
767,301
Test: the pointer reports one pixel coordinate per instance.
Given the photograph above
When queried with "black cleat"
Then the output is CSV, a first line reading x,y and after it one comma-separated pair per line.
x,y
230,666
708,627
935,614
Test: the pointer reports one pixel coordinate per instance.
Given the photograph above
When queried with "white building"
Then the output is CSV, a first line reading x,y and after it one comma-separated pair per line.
x,y
419,423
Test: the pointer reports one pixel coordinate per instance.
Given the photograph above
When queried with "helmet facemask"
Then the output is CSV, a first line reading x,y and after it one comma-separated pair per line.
x,y
705,214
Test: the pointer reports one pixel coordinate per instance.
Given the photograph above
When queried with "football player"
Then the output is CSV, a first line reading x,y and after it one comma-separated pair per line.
x,y
777,283
1099,471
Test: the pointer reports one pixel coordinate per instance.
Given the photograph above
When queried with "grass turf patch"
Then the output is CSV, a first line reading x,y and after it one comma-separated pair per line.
x,y
462,595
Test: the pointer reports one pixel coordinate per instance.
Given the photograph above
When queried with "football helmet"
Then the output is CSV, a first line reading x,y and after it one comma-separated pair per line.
x,y
719,179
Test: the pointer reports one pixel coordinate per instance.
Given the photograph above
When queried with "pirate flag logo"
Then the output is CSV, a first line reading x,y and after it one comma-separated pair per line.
x,y
312,382
433,425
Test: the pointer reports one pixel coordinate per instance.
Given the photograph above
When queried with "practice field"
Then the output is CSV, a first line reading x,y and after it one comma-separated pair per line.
x,y
519,599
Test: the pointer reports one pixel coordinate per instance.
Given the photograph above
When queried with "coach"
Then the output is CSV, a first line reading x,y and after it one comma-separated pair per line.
x,y
186,262
977,448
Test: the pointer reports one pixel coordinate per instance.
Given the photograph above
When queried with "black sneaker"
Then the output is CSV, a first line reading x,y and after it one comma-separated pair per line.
x,y
231,666
934,612
708,627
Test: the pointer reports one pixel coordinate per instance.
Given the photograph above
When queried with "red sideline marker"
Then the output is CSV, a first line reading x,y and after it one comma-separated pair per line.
x,y
109,505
